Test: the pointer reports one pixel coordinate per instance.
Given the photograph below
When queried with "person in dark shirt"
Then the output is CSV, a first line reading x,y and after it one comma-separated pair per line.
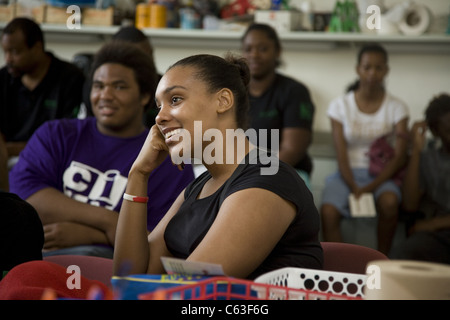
x,y
35,85
278,102
21,232
241,214
426,187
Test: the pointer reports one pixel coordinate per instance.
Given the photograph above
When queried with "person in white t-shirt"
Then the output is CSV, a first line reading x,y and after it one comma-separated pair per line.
x,y
366,112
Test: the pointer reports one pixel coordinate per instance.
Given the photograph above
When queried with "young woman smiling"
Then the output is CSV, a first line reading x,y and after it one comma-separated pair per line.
x,y
265,222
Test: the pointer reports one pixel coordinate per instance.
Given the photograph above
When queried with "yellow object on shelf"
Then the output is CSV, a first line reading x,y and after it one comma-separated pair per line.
x,y
142,16
151,16
158,16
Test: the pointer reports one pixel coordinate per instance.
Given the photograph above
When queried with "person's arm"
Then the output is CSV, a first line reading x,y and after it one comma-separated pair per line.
x,y
297,120
412,194
248,226
69,234
433,224
53,206
340,146
294,144
35,178
133,244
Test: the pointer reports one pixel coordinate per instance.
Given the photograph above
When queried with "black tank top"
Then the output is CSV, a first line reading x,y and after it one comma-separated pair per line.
x,y
299,246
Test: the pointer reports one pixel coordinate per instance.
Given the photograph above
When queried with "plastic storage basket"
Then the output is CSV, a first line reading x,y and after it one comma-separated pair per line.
x,y
329,282
224,288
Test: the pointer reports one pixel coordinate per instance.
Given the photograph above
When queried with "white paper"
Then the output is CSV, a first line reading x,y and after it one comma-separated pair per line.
x,y
364,206
180,266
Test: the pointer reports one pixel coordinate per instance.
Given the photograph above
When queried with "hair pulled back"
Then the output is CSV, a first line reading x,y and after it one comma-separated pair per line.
x,y
217,73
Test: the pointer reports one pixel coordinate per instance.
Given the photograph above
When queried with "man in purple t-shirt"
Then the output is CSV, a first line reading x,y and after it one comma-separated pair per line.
x,y
74,171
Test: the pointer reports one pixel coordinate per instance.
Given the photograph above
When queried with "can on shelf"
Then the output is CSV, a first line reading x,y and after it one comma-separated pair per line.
x,y
143,11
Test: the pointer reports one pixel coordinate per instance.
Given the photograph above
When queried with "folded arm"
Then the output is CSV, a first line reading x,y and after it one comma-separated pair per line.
x,y
55,207
69,234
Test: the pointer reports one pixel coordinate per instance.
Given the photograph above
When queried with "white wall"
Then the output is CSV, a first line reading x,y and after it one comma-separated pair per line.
x,y
415,76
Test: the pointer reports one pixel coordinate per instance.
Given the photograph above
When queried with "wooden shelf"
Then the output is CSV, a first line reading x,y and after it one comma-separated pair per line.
x,y
296,40
230,38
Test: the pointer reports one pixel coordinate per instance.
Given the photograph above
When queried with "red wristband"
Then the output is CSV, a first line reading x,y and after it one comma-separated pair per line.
x,y
131,198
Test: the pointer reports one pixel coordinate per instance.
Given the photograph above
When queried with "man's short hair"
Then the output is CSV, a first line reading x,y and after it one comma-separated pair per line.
x,y
30,29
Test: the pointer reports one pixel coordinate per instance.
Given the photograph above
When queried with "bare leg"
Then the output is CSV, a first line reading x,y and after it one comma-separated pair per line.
x,y
331,223
388,207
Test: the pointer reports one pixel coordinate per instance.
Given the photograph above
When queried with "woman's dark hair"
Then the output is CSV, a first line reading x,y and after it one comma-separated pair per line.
x,y
230,72
30,29
270,32
368,48
437,108
130,56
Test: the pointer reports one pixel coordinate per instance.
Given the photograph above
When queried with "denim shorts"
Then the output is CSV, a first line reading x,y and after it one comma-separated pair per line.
x,y
336,191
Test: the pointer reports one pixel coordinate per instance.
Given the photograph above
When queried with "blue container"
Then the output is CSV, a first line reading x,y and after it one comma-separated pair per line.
x,y
80,3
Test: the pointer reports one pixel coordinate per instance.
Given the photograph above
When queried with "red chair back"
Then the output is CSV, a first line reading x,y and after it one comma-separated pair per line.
x,y
347,257
91,267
